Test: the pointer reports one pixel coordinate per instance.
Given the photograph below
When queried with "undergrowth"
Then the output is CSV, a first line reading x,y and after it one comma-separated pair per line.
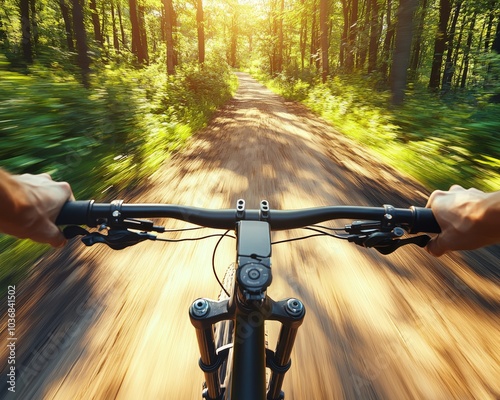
x,y
104,139
438,141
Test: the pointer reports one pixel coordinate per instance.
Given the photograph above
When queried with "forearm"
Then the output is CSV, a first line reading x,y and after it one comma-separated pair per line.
x,y
488,217
469,219
14,203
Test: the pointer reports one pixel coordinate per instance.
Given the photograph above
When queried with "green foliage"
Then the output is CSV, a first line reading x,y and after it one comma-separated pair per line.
x,y
439,142
101,140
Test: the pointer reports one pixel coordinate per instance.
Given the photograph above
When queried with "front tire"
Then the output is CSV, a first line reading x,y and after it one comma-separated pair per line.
x,y
224,330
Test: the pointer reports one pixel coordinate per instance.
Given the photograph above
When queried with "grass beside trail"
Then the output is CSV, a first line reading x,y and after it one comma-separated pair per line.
x,y
102,140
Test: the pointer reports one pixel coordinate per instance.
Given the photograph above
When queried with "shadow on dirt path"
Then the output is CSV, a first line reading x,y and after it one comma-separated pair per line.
x,y
98,324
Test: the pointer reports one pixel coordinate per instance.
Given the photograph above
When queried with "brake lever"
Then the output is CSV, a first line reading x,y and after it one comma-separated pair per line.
x,y
395,244
117,239
387,242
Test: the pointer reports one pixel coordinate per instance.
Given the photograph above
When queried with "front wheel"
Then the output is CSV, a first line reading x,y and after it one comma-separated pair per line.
x,y
224,330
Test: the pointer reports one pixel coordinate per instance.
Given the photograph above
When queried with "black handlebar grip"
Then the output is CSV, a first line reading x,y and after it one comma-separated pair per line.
x,y
74,213
424,221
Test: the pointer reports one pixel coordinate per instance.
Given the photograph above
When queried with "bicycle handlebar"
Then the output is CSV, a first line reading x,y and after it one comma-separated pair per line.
x,y
87,212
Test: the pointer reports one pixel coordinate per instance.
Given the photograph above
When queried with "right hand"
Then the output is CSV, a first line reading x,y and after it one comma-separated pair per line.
x,y
469,219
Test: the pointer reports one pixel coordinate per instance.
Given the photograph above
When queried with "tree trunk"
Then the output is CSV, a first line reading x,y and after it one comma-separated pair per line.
x,y
95,21
402,50
351,38
344,37
67,25
314,35
143,48
389,36
496,42
34,24
116,41
364,34
279,60
26,40
122,30
104,13
417,42
201,32
488,30
440,44
467,51
449,67
234,41
136,33
374,35
169,39
81,42
303,35
323,21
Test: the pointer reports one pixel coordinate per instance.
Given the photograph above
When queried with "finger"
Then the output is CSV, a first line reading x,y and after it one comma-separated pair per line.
x,y
432,197
45,175
456,188
55,238
434,247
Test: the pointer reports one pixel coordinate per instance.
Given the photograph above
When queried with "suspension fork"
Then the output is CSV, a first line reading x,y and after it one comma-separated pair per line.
x,y
290,312
204,313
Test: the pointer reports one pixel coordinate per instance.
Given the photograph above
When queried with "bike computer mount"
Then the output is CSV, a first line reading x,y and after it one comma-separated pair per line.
x,y
254,253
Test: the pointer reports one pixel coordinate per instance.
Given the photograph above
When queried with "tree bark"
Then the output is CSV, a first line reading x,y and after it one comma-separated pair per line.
x,y
136,33
351,38
116,41
67,24
389,36
496,42
313,58
402,50
95,21
488,30
467,51
344,37
81,42
26,39
449,67
234,41
374,35
417,42
143,48
279,58
122,30
440,44
169,39
34,24
201,32
323,21
303,35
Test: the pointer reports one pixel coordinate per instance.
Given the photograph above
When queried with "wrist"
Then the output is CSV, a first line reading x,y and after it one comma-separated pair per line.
x,y
486,218
16,207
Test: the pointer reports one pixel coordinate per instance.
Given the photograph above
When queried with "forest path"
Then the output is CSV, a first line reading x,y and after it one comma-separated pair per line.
x,y
99,324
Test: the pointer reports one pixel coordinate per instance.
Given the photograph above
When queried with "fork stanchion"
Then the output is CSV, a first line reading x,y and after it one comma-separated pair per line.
x,y
209,362
203,313
290,313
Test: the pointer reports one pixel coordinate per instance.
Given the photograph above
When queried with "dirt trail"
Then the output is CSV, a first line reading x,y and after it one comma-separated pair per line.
x,y
98,324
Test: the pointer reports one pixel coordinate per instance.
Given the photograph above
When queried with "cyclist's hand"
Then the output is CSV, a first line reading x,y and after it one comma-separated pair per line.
x,y
469,219
29,206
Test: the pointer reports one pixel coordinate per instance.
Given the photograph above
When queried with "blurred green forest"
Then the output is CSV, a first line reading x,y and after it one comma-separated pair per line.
x,y
99,92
